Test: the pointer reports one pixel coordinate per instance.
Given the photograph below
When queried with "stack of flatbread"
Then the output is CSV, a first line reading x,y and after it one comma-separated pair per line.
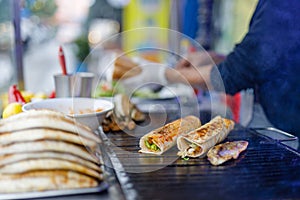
x,y
44,150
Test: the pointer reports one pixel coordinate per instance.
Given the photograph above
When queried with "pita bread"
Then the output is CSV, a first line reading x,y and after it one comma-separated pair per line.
x,y
42,146
165,137
44,180
13,158
45,134
198,142
47,164
45,119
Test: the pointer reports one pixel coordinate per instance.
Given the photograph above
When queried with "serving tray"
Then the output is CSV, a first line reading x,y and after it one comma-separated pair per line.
x,y
55,193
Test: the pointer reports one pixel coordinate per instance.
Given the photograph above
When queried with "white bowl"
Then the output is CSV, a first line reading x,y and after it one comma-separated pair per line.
x,y
83,110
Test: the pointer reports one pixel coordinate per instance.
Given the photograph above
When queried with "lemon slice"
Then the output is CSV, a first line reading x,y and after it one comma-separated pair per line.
x,y
12,109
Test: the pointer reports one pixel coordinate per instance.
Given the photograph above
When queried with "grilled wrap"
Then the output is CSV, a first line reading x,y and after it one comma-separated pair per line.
x,y
160,140
199,141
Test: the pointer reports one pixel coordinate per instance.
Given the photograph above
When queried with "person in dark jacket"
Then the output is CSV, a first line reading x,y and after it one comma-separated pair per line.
x,y
267,59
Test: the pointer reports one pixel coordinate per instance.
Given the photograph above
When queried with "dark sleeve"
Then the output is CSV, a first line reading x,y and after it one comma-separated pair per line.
x,y
244,66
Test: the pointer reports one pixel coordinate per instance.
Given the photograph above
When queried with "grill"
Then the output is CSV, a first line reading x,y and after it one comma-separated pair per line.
x,y
266,170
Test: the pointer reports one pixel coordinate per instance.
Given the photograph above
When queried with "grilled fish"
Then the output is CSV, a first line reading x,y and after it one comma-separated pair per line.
x,y
226,151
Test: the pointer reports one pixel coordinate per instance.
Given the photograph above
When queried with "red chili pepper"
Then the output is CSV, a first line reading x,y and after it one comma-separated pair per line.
x,y
52,94
14,95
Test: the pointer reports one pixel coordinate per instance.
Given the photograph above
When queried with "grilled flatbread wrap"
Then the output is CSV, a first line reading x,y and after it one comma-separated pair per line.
x,y
160,140
199,141
44,180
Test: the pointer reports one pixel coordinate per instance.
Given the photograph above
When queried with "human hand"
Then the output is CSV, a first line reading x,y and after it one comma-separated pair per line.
x,y
133,73
196,67
200,58
196,76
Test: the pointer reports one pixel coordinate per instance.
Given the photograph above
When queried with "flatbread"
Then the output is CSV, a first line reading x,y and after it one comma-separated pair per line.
x,y
196,143
47,164
42,146
45,134
45,180
13,158
165,137
45,119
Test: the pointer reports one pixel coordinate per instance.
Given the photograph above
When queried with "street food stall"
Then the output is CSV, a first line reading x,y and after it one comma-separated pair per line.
x,y
99,133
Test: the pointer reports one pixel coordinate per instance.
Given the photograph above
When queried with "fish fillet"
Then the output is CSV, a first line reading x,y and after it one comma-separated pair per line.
x,y
226,151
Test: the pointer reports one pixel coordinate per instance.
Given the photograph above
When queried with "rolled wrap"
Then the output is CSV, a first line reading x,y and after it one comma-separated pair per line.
x,y
199,141
165,137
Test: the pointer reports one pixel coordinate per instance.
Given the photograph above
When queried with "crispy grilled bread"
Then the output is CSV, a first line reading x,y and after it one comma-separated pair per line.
x,y
160,140
197,142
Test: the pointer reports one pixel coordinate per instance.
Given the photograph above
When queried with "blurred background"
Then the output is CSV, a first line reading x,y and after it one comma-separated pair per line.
x,y
80,25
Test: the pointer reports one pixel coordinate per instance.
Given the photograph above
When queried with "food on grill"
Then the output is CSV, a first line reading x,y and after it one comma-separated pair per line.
x,y
160,140
197,142
124,115
44,150
226,151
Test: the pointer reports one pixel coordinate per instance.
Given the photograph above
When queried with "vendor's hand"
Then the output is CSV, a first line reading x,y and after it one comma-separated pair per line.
x,y
200,58
196,76
133,73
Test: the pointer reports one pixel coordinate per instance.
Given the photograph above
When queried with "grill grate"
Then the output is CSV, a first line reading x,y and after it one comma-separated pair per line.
x,y
266,170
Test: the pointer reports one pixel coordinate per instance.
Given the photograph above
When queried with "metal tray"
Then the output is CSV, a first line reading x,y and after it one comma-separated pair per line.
x,y
54,193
